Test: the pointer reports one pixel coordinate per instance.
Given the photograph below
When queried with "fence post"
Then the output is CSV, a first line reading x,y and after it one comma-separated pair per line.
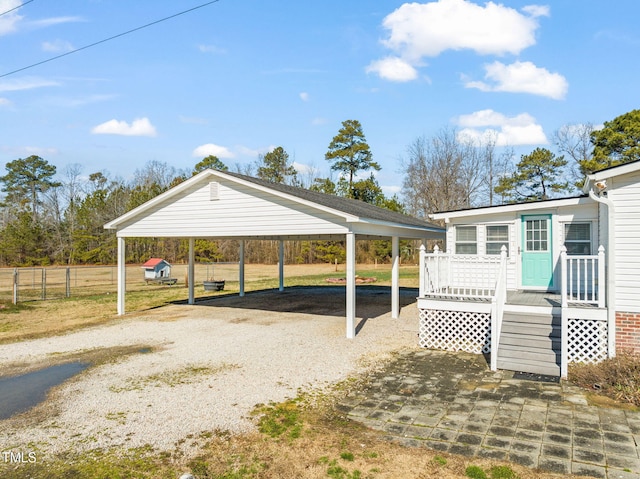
x,y
68,282
601,278
44,283
15,285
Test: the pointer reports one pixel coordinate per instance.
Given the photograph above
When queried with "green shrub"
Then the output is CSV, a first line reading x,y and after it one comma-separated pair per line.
x,y
475,472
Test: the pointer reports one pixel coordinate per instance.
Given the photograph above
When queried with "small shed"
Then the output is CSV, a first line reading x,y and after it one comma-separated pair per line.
x,y
156,268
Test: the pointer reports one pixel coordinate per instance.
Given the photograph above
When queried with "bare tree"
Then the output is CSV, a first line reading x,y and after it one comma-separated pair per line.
x,y
575,142
441,173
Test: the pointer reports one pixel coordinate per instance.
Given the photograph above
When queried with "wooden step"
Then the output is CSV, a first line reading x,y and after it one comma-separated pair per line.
x,y
531,318
534,367
530,342
524,329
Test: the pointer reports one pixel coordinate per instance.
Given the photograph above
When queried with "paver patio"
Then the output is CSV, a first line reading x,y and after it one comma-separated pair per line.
x,y
452,402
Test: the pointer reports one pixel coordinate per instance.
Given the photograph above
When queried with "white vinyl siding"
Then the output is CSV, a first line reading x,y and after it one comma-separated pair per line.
x,y
239,211
466,240
624,191
496,236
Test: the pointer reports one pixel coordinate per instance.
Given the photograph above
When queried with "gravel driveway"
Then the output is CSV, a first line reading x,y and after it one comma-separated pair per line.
x,y
209,365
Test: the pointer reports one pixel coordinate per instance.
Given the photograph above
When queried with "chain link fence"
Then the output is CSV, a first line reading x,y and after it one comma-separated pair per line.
x,y
39,284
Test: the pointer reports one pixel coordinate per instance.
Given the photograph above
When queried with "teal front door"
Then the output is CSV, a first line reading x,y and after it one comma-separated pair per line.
x,y
537,257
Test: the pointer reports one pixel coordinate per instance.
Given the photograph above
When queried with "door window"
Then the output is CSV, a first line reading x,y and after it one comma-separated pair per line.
x,y
536,238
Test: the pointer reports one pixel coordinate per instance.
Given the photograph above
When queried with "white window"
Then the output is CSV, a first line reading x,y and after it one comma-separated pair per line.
x,y
577,238
466,242
497,235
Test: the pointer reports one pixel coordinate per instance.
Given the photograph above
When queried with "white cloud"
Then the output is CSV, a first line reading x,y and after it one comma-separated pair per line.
x,y
211,49
203,151
318,121
57,46
9,21
303,169
25,83
521,129
4,102
522,77
304,96
418,30
139,127
40,151
428,29
47,22
537,10
393,69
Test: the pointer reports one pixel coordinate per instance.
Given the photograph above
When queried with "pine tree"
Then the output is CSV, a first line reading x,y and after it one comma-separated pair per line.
x,y
350,152
536,177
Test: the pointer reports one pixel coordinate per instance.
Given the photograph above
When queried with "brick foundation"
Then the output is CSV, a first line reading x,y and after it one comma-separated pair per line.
x,y
628,331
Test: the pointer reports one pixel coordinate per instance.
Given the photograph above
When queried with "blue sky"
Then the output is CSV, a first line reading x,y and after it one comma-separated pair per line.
x,y
238,77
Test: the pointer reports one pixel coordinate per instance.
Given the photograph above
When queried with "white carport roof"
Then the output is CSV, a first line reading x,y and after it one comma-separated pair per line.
x,y
216,204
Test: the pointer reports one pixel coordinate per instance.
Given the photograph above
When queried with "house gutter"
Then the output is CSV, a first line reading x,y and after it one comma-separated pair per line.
x,y
611,270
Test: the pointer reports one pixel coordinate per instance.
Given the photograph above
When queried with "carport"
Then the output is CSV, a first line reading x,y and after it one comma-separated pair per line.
x,y
222,205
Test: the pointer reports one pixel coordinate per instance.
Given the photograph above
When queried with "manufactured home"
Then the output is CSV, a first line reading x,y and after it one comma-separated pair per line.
x,y
541,284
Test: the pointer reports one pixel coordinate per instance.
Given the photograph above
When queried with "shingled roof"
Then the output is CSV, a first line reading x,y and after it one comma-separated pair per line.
x,y
346,205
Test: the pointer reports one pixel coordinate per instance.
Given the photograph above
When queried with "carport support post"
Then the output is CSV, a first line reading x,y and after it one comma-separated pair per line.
x,y
191,269
122,275
395,277
351,285
281,265
241,268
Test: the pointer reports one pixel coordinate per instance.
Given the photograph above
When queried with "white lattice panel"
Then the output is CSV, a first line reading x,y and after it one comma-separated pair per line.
x,y
455,331
587,340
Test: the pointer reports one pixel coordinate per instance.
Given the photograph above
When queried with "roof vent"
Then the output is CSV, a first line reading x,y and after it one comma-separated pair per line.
x,y
214,190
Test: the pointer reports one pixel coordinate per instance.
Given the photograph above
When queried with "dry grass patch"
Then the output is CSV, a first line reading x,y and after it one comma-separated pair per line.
x,y
617,378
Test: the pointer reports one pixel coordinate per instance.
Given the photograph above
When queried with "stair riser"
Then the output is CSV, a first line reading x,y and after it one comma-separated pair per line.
x,y
529,368
530,330
531,342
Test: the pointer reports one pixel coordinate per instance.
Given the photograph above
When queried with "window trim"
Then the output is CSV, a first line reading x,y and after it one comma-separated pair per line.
x,y
584,241
500,242
466,242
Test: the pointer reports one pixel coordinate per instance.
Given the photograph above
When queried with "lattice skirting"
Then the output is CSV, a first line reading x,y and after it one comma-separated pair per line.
x,y
455,331
587,341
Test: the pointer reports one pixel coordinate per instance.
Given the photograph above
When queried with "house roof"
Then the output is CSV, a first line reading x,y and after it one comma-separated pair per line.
x,y
530,205
153,262
612,171
348,209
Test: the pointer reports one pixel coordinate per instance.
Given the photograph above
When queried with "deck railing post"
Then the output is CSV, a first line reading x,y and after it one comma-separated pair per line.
x,y
503,268
436,280
563,276
601,278
423,271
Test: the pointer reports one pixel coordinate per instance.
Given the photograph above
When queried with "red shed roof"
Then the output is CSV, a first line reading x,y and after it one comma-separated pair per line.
x,y
153,262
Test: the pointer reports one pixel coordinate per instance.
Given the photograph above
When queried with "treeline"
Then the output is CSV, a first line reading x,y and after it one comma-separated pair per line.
x,y
47,217
51,218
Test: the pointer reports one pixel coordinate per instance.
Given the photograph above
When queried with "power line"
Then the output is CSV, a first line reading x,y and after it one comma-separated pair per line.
x,y
108,39
15,8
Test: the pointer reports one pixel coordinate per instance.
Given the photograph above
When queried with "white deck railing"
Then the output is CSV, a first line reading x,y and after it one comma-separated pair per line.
x,y
583,278
458,276
497,308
